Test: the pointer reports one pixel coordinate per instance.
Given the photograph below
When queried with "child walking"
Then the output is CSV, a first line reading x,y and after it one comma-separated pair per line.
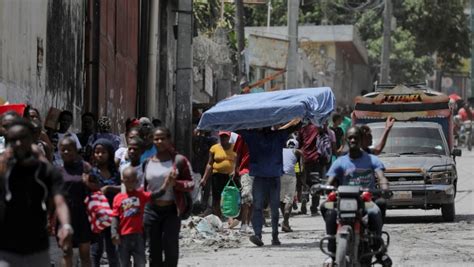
x,y
288,181
127,225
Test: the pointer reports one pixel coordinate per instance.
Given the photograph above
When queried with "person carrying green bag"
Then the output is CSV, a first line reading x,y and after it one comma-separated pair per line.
x,y
220,166
230,200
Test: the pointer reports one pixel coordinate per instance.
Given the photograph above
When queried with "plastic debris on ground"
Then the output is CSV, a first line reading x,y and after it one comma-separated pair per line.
x,y
209,233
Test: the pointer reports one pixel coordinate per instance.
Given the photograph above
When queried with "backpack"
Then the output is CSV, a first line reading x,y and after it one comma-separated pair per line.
x,y
324,147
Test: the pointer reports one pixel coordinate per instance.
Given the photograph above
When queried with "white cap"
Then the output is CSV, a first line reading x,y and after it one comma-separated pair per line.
x,y
292,143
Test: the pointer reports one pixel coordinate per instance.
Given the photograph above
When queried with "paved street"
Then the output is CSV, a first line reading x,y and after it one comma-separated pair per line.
x,y
207,89
418,238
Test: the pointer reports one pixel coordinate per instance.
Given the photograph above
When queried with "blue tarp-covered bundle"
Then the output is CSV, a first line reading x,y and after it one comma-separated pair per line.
x,y
259,110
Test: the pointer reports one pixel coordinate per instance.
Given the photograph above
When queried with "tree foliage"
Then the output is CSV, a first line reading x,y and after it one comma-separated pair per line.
x,y
207,16
439,27
425,29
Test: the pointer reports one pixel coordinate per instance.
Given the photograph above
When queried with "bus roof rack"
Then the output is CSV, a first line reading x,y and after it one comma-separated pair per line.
x,y
385,86
382,86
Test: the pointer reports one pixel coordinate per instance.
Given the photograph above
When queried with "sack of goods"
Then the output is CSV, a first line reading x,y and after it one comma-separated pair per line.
x,y
230,200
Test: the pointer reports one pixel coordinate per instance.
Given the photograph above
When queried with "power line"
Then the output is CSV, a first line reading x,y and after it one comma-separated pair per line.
x,y
359,7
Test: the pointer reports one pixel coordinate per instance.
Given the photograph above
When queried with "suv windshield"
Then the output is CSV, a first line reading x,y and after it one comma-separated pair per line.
x,y
412,140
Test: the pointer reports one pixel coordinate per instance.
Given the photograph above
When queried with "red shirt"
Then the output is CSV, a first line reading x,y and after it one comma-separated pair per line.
x,y
307,137
240,147
464,115
129,207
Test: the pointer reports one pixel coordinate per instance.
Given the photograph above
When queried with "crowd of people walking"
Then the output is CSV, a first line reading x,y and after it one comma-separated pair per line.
x,y
119,194
109,193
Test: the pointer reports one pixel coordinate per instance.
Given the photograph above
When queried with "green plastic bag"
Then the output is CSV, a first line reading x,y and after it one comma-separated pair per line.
x,y
230,200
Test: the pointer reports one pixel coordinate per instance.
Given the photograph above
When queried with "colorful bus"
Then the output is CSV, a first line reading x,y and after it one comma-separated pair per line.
x,y
406,104
419,155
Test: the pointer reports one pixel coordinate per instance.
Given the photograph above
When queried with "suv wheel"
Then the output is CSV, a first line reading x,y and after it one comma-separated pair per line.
x,y
448,211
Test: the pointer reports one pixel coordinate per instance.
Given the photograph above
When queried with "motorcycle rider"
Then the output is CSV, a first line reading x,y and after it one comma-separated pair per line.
x,y
357,168
464,119
466,112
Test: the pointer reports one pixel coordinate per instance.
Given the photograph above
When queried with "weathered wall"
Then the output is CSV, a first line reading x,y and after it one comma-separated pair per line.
x,y
41,53
362,79
22,24
305,70
350,79
119,32
224,69
323,58
213,55
166,64
65,54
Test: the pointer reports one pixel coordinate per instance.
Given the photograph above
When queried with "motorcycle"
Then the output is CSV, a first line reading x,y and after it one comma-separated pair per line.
x,y
466,134
354,240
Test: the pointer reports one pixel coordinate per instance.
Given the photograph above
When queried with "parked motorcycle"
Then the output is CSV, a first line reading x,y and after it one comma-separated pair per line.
x,y
354,240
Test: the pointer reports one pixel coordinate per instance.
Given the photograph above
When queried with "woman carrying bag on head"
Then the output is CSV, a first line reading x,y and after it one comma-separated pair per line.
x,y
168,177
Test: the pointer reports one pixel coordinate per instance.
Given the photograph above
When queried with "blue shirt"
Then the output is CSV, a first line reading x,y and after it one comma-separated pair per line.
x,y
266,151
360,171
103,181
148,153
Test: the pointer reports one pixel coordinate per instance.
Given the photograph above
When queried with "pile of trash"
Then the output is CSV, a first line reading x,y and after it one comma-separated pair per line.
x,y
208,233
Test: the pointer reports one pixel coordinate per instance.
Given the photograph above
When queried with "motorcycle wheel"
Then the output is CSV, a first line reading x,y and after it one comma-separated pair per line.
x,y
469,143
341,251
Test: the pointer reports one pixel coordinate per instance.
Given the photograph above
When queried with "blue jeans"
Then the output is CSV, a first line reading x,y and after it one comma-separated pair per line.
x,y
265,188
97,248
132,245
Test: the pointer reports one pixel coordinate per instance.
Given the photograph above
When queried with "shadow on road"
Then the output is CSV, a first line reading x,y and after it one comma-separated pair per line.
x,y
313,244
465,217
426,219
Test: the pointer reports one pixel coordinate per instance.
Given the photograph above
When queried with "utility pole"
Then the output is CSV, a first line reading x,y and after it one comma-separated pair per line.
x,y
291,66
184,74
239,26
387,28
472,47
222,9
269,14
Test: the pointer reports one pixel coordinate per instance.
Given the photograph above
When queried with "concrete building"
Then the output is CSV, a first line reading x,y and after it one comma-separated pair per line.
x,y
213,68
42,53
116,58
337,54
267,56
